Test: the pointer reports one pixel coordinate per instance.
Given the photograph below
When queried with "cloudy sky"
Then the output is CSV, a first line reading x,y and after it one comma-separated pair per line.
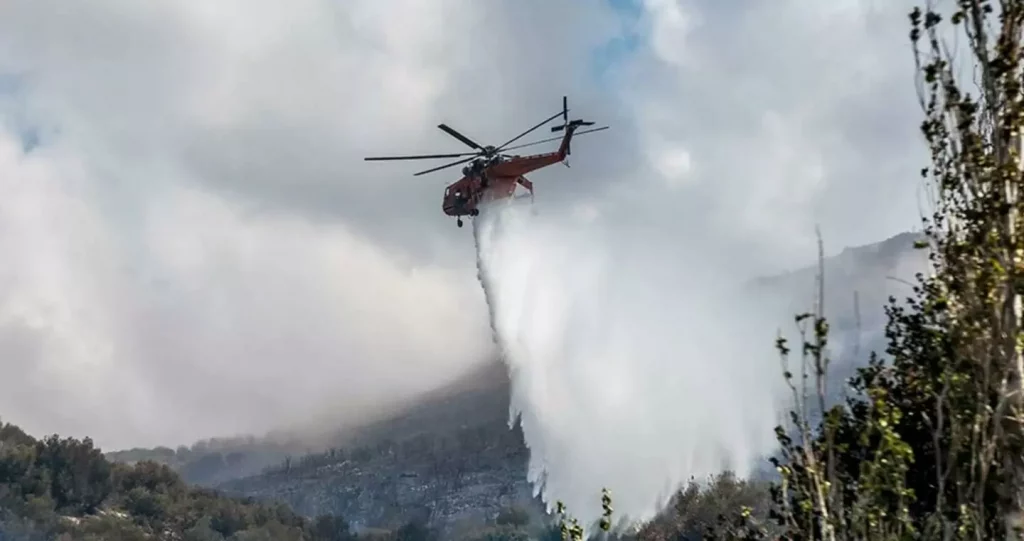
x,y
194,246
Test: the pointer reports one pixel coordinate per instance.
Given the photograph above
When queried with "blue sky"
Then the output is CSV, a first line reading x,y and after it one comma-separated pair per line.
x,y
11,87
617,50
627,7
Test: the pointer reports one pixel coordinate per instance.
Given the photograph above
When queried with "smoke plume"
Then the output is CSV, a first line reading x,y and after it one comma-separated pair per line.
x,y
631,369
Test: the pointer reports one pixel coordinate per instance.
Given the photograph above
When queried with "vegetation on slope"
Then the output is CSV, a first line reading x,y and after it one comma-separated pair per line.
x,y
479,400
932,444
64,488
209,462
698,508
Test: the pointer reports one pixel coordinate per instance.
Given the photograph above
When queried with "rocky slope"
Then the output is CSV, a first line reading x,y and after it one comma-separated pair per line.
x,y
451,460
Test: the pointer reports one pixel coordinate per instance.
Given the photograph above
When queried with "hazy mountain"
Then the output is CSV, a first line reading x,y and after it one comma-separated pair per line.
x,y
450,458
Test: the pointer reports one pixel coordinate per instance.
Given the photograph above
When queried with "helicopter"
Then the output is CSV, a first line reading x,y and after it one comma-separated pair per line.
x,y
491,174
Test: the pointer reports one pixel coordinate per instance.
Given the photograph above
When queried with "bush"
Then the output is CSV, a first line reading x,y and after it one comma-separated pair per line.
x,y
513,516
79,474
698,508
332,528
64,488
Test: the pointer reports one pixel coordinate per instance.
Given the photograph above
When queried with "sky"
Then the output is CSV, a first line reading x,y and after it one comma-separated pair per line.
x,y
195,247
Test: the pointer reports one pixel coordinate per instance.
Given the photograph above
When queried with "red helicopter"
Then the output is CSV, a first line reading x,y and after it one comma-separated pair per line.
x,y
493,175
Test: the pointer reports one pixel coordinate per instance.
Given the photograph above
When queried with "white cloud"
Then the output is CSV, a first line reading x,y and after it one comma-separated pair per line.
x,y
673,162
201,249
205,320
671,22
793,113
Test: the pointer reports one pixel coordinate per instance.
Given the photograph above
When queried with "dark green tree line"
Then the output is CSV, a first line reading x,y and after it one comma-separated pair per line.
x,y
64,488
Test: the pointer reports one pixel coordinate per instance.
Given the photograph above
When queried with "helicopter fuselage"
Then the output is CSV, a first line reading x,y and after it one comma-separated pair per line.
x,y
462,197
494,178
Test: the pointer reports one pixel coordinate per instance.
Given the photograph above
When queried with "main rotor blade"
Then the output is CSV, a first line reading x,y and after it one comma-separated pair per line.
x,y
516,138
549,139
444,166
459,136
420,157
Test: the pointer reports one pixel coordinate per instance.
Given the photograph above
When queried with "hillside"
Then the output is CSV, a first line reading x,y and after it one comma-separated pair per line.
x,y
65,487
450,458
478,398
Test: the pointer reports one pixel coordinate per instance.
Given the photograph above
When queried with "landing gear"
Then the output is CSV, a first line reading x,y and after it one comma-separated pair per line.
x,y
471,212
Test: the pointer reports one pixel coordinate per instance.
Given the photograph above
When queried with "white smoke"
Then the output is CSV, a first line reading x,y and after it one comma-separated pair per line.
x,y
630,370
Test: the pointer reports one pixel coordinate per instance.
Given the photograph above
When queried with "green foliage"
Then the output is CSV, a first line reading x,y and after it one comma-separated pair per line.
x,y
513,516
64,488
502,533
512,523
332,528
415,531
570,527
79,475
212,461
931,444
701,508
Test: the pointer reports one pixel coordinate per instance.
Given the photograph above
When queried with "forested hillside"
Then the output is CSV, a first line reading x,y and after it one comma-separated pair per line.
x,y
64,488
479,398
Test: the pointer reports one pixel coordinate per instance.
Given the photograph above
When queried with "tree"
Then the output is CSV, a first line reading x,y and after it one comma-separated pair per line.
x,y
514,516
696,509
63,488
415,530
80,475
332,528
931,445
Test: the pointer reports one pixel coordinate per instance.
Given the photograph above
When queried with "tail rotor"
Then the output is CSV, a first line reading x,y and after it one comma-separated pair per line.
x,y
566,124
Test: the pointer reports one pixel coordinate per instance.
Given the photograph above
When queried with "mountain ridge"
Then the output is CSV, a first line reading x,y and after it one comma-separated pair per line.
x,y
449,456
